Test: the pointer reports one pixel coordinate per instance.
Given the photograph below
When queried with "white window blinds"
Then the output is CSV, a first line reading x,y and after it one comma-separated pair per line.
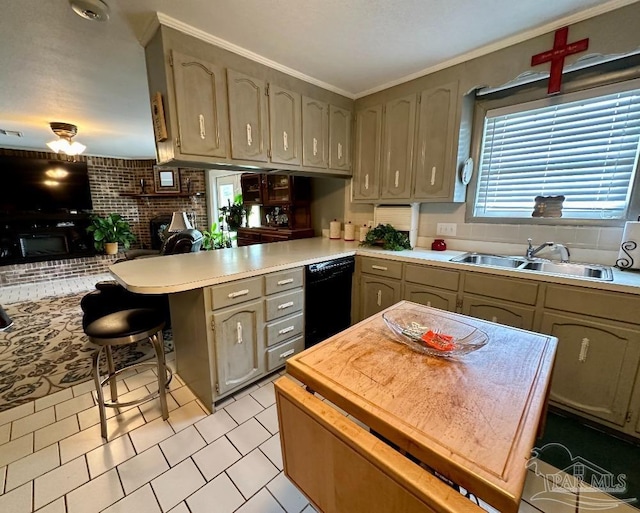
x,y
585,149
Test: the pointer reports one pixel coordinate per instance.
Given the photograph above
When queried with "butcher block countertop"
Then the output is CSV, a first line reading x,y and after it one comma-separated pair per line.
x,y
473,419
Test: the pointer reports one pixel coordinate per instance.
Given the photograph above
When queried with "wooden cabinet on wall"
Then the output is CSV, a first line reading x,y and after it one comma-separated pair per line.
x,y
315,132
368,143
285,126
339,138
201,107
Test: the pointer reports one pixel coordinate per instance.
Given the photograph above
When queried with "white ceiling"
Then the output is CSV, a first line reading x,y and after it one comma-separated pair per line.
x,y
56,66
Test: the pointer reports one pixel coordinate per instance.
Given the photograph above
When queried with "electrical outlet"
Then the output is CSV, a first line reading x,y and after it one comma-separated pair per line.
x,y
446,229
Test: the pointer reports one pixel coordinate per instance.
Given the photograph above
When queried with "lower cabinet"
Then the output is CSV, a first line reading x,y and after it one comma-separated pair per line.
x,y
595,365
501,312
378,294
429,296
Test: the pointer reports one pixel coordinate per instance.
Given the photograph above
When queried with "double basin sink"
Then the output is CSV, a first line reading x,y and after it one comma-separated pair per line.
x,y
597,272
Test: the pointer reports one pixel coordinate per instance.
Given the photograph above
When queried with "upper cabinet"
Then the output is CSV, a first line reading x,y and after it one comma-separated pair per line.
x,y
248,117
435,162
339,138
315,132
368,140
285,126
397,147
201,107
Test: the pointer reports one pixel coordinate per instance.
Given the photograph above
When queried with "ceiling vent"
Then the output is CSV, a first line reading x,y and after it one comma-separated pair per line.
x,y
11,133
94,10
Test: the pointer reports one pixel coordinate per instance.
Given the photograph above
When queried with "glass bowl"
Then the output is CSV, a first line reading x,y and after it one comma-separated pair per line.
x,y
434,334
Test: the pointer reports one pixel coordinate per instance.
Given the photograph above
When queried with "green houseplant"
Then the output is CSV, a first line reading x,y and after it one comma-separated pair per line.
x,y
214,239
233,214
110,230
388,237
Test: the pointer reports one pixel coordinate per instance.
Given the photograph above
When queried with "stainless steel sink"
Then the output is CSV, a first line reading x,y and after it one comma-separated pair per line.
x,y
596,272
494,260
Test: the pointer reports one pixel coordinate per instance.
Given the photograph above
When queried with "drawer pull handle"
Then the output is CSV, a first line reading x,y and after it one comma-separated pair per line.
x,y
285,305
315,146
584,350
339,151
366,181
285,141
203,133
287,353
284,282
433,175
285,330
379,300
239,332
380,267
249,136
238,293
397,180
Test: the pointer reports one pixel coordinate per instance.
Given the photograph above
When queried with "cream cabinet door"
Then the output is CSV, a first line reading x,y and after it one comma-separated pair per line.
x,y
397,149
368,144
378,294
430,296
239,344
501,312
339,138
315,132
435,163
248,117
595,365
201,100
285,128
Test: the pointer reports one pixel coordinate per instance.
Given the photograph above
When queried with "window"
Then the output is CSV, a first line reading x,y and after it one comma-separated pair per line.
x,y
583,146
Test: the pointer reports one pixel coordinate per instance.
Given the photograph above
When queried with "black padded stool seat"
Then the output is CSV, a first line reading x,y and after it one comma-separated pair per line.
x,y
127,327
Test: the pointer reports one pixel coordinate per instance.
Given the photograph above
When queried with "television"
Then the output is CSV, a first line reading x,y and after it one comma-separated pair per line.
x,y
41,185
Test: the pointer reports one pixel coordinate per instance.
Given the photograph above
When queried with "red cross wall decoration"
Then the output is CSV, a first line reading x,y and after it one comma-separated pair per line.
x,y
556,56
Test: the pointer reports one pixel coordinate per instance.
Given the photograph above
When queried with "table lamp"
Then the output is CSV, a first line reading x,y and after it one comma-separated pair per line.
x,y
179,221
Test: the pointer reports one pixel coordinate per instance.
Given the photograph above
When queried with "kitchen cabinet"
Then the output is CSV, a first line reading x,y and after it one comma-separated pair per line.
x,y
397,147
435,162
365,184
263,235
201,107
502,312
252,185
339,138
431,287
595,365
248,117
285,128
315,132
380,285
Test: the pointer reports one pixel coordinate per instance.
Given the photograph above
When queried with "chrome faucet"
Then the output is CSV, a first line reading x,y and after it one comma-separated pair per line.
x,y
564,251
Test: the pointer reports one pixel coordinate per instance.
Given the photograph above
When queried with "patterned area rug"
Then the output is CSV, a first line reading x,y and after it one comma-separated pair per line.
x,y
46,350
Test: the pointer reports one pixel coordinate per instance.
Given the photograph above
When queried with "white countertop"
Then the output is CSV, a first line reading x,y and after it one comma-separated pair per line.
x,y
177,273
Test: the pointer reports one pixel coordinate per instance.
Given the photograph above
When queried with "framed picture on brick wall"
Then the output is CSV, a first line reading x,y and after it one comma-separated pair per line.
x,y
166,180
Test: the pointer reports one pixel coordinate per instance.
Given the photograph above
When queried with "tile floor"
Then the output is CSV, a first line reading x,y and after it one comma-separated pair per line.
x,y
53,459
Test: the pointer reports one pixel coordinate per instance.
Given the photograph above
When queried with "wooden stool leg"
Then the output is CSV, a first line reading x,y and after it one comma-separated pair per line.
x,y
158,345
112,370
100,398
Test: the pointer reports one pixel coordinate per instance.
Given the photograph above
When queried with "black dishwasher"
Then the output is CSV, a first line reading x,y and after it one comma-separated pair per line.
x,y
327,298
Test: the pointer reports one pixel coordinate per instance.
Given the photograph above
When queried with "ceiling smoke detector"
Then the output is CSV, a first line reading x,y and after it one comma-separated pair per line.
x,y
94,10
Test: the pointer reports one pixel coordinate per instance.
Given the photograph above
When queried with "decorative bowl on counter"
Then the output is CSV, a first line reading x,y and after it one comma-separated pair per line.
x,y
434,334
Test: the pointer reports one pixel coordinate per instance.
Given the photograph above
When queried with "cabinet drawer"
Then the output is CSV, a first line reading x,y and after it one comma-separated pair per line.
x,y
283,304
440,278
608,305
510,289
276,356
381,267
283,280
284,329
228,294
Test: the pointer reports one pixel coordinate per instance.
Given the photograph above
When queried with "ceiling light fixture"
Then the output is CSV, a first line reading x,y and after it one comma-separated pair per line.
x,y
94,10
65,131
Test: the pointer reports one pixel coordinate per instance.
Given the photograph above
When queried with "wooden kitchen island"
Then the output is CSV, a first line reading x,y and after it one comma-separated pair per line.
x,y
473,419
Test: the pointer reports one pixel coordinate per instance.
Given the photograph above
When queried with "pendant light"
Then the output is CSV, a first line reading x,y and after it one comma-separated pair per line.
x,y
65,131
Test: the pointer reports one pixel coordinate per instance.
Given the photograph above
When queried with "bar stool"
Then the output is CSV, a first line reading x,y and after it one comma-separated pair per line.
x,y
127,327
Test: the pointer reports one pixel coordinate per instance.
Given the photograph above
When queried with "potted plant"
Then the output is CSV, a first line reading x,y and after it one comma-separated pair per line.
x,y
110,230
214,239
234,214
387,237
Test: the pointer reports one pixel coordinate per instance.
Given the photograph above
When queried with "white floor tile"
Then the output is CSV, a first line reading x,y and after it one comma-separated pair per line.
x,y
243,409
150,434
57,506
216,457
215,425
5,433
95,495
151,409
261,502
83,388
287,494
273,450
110,455
16,413
174,486
265,395
32,422
182,445
18,500
16,449
53,399
183,395
75,405
269,419
140,380
141,501
32,466
186,415
218,496
91,417
252,472
142,469
124,423
180,508
3,476
80,443
246,391
527,508
248,436
55,432
59,481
